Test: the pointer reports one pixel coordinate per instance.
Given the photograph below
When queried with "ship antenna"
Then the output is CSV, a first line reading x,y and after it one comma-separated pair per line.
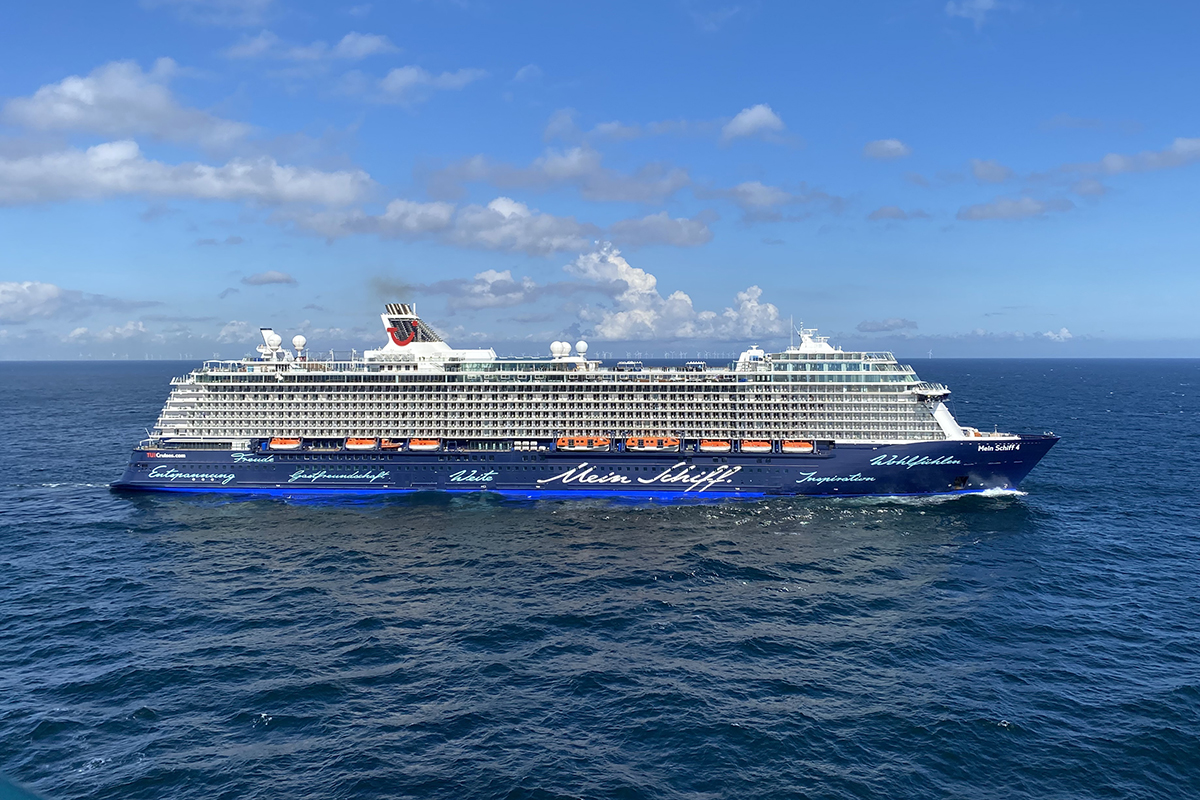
x,y
792,330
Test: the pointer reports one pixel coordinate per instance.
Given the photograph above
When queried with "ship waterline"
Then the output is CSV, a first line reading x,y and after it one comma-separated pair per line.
x,y
418,415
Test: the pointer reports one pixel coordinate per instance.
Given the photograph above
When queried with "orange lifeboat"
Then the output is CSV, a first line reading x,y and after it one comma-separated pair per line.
x,y
281,443
650,444
797,447
424,445
582,443
390,444
714,446
755,446
361,444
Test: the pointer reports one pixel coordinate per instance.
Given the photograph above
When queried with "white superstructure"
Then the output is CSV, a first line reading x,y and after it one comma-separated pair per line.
x,y
417,385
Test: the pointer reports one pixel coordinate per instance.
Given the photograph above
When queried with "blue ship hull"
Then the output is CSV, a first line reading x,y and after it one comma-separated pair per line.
x,y
846,470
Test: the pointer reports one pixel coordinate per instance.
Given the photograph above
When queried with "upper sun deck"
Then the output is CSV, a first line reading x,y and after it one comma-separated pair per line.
x,y
413,349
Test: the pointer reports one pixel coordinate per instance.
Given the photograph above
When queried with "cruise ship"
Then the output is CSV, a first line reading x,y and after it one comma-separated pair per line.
x,y
419,415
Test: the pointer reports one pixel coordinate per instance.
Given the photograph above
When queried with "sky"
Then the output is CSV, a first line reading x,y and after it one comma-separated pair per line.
x,y
685,177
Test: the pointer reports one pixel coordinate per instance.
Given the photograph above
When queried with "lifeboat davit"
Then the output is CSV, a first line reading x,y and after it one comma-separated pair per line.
x,y
651,444
424,445
361,444
582,443
390,444
755,446
797,447
714,446
281,443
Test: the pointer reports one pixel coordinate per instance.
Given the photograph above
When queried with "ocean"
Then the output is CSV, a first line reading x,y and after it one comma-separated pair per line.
x,y
1040,645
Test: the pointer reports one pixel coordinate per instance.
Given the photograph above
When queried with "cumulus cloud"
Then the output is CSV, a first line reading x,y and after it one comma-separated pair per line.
x,y
895,214
641,312
1005,208
269,277
231,13
886,149
990,171
974,10
113,333
1181,152
119,169
760,202
499,289
412,84
661,228
503,224
757,120
22,301
353,46
893,324
119,99
1061,335
579,167
236,331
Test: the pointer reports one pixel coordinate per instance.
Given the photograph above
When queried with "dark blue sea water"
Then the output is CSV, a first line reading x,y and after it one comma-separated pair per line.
x,y
1036,646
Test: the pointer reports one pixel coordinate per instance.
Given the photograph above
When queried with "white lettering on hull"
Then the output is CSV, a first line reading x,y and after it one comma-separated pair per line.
x,y
472,476
681,475
312,476
245,458
908,462
812,477
171,474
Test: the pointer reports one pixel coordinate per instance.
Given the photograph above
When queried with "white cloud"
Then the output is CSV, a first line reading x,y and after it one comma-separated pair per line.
x,y
760,202
113,333
617,131
119,168
562,125
21,301
974,10
990,171
263,44
1061,335
1088,187
24,300
529,72
895,213
754,121
755,194
886,149
269,277
641,312
360,45
1007,208
232,13
893,324
236,331
411,84
503,224
580,167
661,228
353,46
1180,153
119,99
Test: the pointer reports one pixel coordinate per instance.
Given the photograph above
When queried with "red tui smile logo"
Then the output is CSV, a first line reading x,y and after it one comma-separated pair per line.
x,y
395,334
